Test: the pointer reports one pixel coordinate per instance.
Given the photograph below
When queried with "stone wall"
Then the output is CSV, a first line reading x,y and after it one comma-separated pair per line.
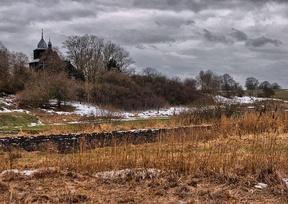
x,y
74,142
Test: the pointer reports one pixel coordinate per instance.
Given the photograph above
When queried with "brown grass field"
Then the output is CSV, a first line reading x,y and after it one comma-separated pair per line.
x,y
218,165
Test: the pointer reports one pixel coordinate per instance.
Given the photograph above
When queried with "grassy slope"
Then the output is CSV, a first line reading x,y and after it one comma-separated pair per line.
x,y
280,94
16,119
20,122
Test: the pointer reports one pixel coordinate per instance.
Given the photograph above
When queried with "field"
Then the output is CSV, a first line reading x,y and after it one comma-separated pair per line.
x,y
242,158
282,94
279,94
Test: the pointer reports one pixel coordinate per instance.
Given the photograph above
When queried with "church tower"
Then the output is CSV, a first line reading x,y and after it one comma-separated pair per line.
x,y
43,55
39,51
49,44
41,47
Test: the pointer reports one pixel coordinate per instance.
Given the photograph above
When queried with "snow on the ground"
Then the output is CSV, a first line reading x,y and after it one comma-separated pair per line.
x,y
39,123
7,101
138,173
163,112
244,100
261,186
28,172
16,171
285,181
84,109
88,109
128,173
8,106
238,100
5,110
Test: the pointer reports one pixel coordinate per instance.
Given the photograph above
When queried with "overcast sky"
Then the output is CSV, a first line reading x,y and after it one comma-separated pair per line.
x,y
178,37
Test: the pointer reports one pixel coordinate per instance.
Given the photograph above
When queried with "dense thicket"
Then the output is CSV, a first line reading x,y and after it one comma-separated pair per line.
x,y
13,71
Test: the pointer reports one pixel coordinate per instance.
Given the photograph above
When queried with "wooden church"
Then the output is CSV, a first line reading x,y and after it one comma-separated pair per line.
x,y
44,54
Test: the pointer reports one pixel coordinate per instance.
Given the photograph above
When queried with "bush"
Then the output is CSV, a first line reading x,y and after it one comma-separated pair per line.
x,y
173,91
121,91
43,87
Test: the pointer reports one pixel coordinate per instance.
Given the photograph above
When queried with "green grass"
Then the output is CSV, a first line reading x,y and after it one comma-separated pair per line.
x,y
279,94
16,120
11,123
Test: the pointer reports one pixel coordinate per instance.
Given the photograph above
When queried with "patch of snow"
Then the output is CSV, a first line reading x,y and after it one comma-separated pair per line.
x,y
35,124
164,112
88,109
27,173
244,100
7,101
16,171
125,173
285,181
238,100
84,109
261,186
5,110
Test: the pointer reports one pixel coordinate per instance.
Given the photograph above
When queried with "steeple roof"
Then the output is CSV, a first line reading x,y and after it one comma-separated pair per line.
x,y
49,43
42,44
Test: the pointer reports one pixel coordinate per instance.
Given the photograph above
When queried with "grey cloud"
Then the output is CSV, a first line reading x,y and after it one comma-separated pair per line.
x,y
173,22
199,5
239,35
2,47
262,41
208,35
135,36
140,46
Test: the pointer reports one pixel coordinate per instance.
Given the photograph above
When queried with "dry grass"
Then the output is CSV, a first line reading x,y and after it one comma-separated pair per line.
x,y
249,142
238,151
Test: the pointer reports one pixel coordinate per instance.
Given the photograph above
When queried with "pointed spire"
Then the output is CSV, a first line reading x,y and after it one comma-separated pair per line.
x,y
42,44
49,43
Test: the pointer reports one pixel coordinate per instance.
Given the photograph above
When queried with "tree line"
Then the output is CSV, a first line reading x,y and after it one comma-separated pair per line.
x,y
104,78
267,89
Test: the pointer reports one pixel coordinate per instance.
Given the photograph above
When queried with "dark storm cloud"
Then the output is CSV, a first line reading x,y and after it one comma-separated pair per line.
x,y
174,22
199,5
208,35
179,37
134,36
262,41
239,35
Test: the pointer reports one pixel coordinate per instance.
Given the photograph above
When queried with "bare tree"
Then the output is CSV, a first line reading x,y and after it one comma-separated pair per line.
x,y
4,67
230,87
208,82
92,55
152,72
251,83
265,84
86,53
115,57
276,86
